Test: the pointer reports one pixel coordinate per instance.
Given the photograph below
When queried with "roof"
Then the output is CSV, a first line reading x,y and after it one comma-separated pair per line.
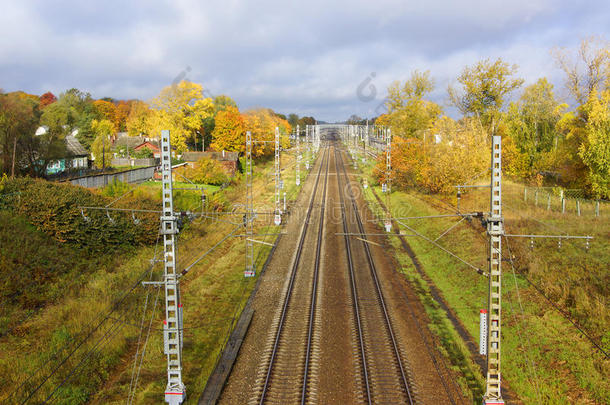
x,y
195,156
129,141
147,144
74,147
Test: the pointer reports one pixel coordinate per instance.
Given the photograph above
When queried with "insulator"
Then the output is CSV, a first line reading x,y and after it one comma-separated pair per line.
x,y
532,243
559,244
135,220
110,219
85,218
587,244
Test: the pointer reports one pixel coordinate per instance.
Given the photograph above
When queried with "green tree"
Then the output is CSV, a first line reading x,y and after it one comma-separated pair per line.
x,y
74,110
409,114
484,88
18,122
532,122
293,120
304,121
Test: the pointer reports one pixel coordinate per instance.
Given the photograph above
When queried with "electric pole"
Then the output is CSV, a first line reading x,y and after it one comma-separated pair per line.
x,y
249,271
175,392
388,178
495,231
298,169
278,208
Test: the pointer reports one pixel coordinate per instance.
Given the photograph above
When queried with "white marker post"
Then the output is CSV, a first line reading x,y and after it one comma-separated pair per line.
x,y
483,333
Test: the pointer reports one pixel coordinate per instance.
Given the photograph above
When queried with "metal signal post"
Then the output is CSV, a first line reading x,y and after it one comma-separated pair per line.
x,y
249,271
495,231
388,177
278,208
298,168
175,392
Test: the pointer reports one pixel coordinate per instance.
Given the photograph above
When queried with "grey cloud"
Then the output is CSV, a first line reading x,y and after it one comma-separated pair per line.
x,y
304,57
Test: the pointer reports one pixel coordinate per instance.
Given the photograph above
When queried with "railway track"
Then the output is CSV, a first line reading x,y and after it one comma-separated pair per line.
x,y
284,378
289,371
384,375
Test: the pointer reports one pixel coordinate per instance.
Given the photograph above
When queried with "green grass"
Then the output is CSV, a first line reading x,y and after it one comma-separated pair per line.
x,y
545,360
82,287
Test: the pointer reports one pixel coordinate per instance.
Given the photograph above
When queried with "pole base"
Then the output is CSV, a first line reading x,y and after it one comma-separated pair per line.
x,y
175,398
493,402
249,273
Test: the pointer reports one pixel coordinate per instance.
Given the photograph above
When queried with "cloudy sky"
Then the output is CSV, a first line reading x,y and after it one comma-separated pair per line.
x,y
305,57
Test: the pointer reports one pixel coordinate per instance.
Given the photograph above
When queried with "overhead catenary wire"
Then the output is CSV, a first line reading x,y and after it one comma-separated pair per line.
x,y
114,307
562,312
133,386
520,333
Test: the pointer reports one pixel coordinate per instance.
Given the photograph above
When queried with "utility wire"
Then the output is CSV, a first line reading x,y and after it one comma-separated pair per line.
x,y
562,312
113,308
133,388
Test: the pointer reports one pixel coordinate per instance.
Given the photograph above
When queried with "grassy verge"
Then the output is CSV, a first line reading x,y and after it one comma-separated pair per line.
x,y
545,359
95,323
213,293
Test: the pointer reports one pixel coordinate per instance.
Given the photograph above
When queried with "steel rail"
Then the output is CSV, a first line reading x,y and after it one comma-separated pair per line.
x,y
288,295
314,290
373,270
350,264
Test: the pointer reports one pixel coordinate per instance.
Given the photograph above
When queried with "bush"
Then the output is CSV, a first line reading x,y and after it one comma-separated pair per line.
x,y
208,171
53,209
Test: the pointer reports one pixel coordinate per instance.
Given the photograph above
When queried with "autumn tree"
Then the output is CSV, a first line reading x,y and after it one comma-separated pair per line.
x,y
261,123
47,99
180,108
18,122
484,89
586,69
595,150
229,131
304,121
122,112
580,157
437,165
108,111
100,148
410,115
221,103
137,121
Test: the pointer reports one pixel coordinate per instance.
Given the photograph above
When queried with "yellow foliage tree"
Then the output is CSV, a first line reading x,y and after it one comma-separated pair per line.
x,y
181,108
101,145
262,122
137,121
108,110
229,131
409,115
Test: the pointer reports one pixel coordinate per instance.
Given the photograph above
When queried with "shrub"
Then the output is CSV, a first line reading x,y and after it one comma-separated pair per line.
x,y
208,171
53,209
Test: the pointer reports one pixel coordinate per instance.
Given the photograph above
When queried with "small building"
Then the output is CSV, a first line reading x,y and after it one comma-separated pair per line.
x,y
122,139
230,160
77,158
152,145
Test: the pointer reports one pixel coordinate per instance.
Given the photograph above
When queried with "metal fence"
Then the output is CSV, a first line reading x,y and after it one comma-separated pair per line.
x,y
127,176
133,162
570,201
